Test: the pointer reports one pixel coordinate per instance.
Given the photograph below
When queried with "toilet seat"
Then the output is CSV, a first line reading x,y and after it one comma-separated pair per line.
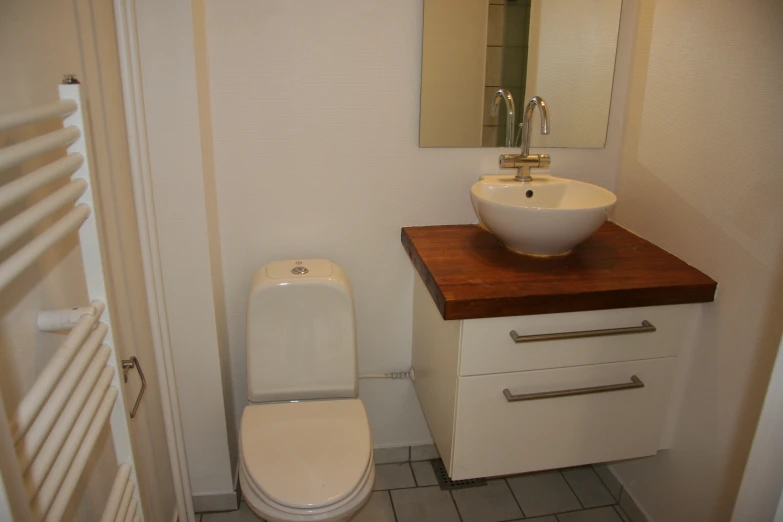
x,y
306,458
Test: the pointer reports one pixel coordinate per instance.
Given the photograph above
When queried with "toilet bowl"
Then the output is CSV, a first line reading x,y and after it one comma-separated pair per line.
x,y
305,442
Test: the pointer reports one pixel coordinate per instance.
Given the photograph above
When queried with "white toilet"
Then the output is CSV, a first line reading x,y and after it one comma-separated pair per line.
x,y
305,442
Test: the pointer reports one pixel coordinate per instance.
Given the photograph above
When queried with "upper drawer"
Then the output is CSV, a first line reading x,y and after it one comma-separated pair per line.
x,y
487,345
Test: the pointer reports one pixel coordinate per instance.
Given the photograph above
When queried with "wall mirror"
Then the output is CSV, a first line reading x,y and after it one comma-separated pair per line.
x,y
561,50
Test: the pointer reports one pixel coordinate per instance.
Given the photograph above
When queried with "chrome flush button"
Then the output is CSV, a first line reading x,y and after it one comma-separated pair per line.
x,y
299,270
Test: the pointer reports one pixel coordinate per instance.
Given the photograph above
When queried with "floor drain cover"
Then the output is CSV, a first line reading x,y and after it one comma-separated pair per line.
x,y
446,483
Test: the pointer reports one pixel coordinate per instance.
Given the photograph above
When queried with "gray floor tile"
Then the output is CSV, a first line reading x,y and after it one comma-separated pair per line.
x,y
393,476
491,503
425,452
424,505
622,514
543,493
377,509
609,480
602,514
548,518
631,509
589,489
425,475
243,514
388,455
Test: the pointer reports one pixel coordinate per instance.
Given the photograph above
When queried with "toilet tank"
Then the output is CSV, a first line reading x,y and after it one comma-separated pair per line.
x,y
301,333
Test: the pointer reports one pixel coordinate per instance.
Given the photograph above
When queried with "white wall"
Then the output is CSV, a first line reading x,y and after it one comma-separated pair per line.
x,y
315,123
701,177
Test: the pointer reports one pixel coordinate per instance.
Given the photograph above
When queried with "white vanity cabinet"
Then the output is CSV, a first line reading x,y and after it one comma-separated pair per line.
x,y
497,407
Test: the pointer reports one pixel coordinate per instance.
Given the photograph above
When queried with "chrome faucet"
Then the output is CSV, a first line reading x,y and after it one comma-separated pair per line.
x,y
503,94
524,162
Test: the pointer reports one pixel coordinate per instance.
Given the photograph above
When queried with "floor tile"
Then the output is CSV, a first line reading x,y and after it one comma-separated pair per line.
x,y
388,455
425,475
393,476
589,489
424,505
631,509
548,518
425,452
609,480
377,509
602,514
243,514
543,493
491,503
622,514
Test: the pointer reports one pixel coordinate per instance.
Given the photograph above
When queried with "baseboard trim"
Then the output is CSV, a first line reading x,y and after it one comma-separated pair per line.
x,y
405,453
216,502
626,502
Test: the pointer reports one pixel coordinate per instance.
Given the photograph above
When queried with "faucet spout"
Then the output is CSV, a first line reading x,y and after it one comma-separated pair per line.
x,y
504,94
535,101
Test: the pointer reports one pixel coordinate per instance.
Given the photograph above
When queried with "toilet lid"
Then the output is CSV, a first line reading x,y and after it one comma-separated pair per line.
x,y
306,454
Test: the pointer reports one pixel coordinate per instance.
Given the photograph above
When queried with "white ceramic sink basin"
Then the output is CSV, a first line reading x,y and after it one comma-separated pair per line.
x,y
548,216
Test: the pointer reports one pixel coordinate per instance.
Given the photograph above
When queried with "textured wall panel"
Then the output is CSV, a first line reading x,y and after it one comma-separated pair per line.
x,y
166,46
315,120
701,177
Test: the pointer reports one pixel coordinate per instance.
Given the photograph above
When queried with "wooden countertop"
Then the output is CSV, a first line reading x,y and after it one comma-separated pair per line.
x,y
471,275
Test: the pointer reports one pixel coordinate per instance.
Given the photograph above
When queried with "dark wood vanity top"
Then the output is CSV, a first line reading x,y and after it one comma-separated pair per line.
x,y
471,275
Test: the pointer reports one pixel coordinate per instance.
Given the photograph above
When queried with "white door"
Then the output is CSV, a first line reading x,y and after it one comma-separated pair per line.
x,y
78,37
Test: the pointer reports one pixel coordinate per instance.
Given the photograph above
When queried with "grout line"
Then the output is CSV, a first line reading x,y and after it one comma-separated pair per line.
x,y
621,513
456,507
415,480
572,489
391,501
600,481
515,497
410,487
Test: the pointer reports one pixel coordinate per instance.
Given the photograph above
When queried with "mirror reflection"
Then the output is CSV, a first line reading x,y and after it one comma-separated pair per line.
x,y
477,52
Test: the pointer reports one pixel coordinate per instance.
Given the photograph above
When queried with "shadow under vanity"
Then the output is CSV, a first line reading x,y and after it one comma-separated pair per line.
x,y
525,364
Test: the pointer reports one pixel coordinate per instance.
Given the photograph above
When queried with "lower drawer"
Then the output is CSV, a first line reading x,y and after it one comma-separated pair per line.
x,y
494,436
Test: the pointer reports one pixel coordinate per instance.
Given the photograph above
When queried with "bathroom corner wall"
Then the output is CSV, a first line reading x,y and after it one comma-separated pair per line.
x,y
315,109
701,177
178,133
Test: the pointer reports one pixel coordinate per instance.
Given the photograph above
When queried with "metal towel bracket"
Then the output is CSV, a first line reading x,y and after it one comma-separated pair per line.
x,y
128,365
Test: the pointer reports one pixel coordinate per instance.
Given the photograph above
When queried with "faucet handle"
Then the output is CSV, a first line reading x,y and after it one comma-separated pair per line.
x,y
523,164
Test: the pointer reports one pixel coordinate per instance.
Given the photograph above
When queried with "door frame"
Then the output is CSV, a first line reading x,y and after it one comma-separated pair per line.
x,y
760,496
133,100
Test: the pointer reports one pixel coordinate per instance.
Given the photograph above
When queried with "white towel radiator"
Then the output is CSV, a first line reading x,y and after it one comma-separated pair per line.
x,y
45,444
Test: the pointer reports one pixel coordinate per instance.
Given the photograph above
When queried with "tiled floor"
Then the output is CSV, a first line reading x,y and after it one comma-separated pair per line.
x,y
408,492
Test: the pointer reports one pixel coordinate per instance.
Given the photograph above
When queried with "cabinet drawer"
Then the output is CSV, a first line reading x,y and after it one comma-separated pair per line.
x,y
496,437
487,346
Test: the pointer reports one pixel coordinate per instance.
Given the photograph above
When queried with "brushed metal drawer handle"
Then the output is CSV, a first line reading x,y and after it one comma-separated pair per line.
x,y
646,327
636,382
